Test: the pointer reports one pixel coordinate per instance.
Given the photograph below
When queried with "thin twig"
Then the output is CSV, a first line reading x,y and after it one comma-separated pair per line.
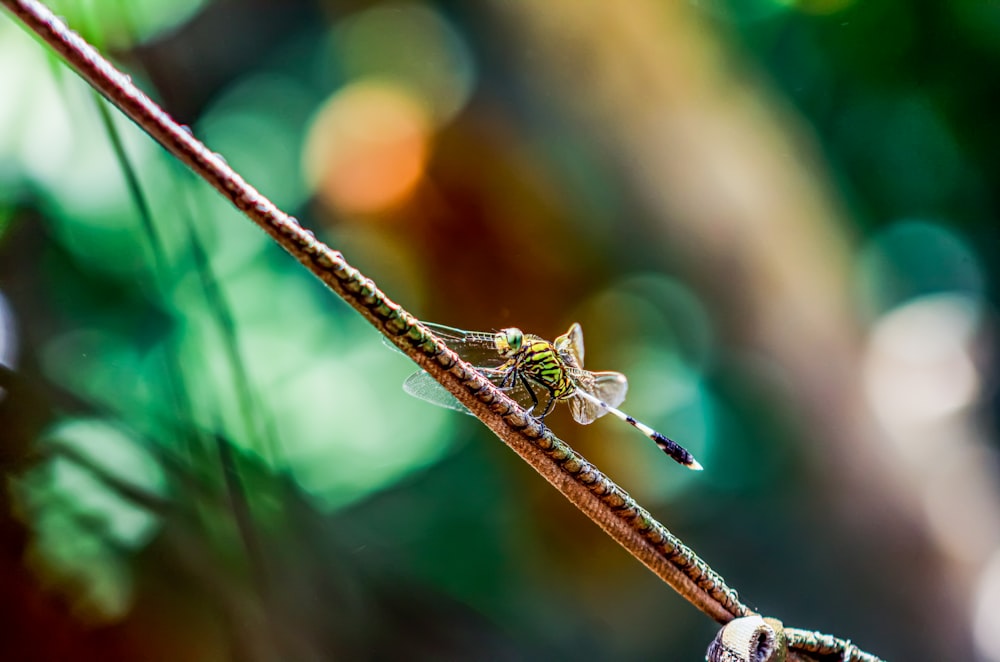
x,y
579,481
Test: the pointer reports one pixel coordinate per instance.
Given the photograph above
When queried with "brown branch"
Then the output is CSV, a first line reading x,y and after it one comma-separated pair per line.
x,y
579,481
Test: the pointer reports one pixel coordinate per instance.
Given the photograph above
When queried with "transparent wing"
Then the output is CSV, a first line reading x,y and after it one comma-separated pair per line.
x,y
421,385
457,338
571,343
476,347
608,387
584,411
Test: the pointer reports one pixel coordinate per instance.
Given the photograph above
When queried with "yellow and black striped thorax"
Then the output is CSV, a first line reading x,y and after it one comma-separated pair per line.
x,y
535,358
539,360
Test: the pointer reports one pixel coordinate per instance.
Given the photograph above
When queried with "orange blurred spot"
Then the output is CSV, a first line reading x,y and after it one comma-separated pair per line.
x,y
367,147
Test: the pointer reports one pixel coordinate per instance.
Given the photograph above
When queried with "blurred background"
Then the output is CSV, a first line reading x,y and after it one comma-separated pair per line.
x,y
777,217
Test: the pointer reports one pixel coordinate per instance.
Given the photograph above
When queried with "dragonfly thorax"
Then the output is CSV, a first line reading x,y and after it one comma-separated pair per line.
x,y
508,341
532,358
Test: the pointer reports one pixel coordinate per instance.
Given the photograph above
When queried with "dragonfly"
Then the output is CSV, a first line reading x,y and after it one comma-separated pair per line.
x,y
538,374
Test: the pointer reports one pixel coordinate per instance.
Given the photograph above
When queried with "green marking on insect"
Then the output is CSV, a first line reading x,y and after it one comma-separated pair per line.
x,y
537,374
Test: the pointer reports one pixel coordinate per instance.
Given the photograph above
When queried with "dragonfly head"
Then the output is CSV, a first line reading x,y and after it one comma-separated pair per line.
x,y
508,341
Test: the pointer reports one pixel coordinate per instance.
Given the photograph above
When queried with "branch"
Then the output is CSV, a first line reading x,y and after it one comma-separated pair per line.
x,y
578,480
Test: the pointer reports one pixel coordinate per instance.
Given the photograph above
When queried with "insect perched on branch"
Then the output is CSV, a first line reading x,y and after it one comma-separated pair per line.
x,y
537,374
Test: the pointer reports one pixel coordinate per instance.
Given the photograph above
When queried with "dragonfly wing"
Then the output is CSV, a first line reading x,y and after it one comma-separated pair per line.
x,y
421,385
585,411
571,343
610,387
388,343
451,335
477,347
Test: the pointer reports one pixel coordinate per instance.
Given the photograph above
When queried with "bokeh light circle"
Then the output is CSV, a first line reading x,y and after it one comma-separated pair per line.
x,y
367,147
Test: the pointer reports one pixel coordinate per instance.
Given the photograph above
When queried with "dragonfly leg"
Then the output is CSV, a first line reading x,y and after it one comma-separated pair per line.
x,y
549,406
531,392
508,378
503,377
495,375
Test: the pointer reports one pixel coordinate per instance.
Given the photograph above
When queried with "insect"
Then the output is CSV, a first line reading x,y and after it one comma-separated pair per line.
x,y
538,374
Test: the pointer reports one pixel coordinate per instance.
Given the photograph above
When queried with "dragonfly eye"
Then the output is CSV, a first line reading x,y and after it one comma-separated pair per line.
x,y
509,341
